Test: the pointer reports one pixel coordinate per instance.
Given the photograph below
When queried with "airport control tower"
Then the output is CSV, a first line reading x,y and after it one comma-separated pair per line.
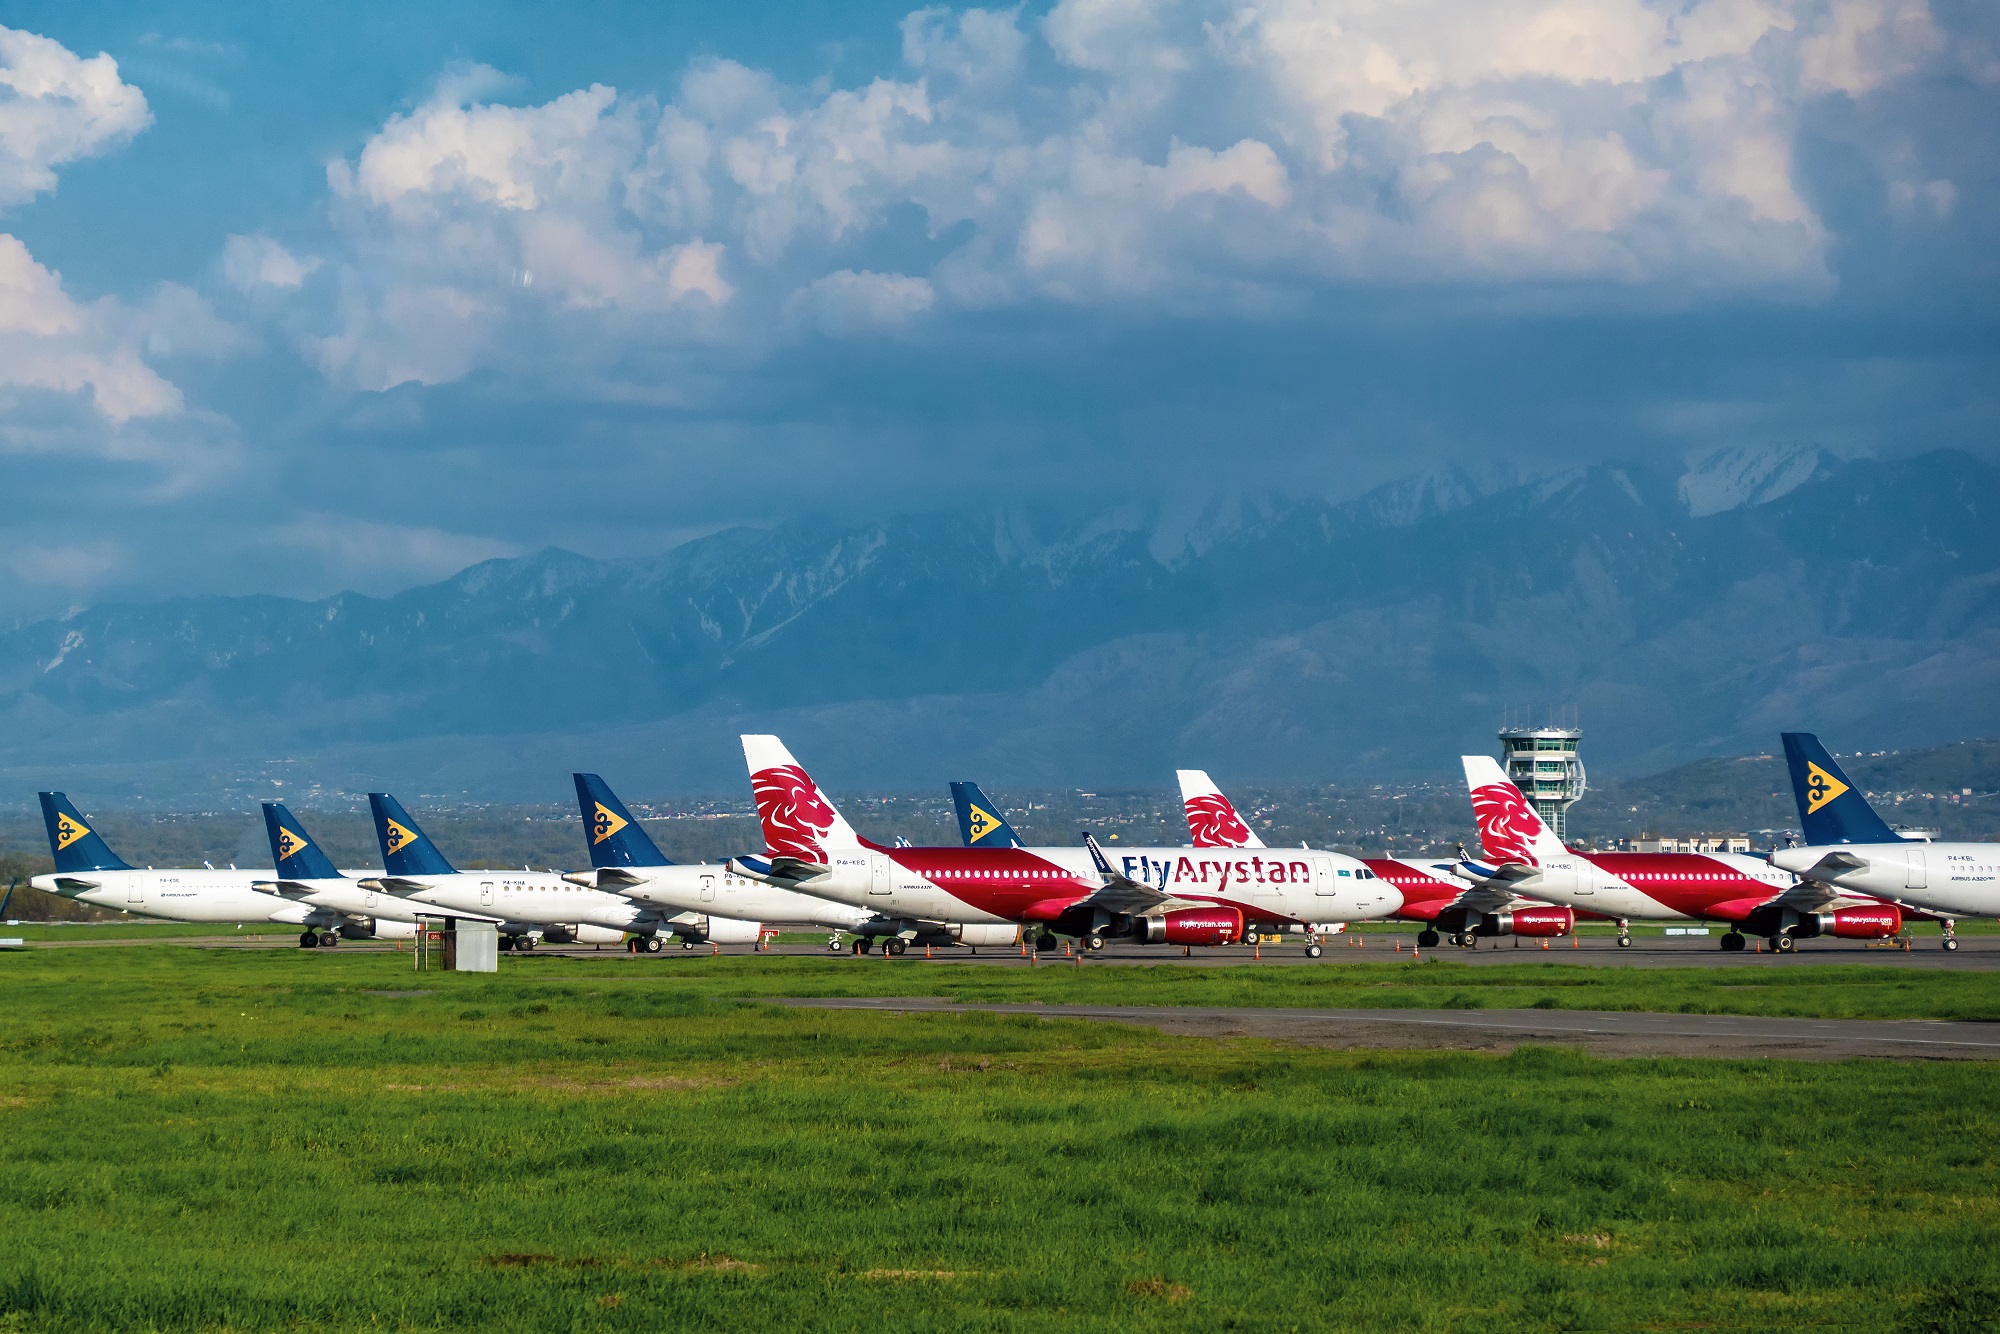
x,y
1543,763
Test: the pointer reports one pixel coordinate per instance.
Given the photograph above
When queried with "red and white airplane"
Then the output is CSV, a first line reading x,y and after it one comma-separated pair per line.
x,y
1747,893
1154,895
1433,892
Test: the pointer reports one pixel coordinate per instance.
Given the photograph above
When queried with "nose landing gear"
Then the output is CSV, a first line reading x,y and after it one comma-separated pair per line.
x,y
1950,940
1624,934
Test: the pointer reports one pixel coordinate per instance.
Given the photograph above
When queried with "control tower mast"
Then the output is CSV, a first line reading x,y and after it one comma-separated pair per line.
x,y
1543,763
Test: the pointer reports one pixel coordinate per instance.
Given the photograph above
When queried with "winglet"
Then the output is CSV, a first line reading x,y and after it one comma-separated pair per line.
x,y
980,823
1831,808
1097,857
72,843
616,839
406,849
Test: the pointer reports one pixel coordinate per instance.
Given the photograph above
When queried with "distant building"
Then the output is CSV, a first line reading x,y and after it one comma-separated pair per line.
x,y
1691,843
1543,763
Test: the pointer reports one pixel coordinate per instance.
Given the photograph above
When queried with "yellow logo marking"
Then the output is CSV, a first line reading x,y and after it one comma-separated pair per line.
x,y
289,843
605,823
397,837
1821,787
981,823
68,831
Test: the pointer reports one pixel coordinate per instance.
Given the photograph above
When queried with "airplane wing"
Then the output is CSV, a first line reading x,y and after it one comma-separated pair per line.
x,y
784,872
613,878
395,884
1833,864
1121,893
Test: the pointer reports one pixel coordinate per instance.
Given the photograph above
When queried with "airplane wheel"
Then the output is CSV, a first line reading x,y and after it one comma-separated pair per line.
x,y
308,940
1467,940
1093,942
1624,942
686,944
1950,942
1732,941
1783,944
897,946
654,944
328,941
1313,951
524,944
1428,939
863,944
1043,944
833,945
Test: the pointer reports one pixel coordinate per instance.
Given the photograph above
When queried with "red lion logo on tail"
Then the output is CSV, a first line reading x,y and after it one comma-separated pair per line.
x,y
1506,823
793,812
1215,823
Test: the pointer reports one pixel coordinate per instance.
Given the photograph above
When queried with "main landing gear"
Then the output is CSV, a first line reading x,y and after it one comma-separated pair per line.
x,y
1428,939
310,939
1733,941
863,944
654,945
1624,934
1044,943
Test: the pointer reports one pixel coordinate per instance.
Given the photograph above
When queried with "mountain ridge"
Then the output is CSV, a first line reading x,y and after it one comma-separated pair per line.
x,y
1294,639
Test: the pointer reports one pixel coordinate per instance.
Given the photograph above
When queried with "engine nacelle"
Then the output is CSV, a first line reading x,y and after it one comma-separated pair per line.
x,y
1527,922
1877,923
582,933
1190,926
985,933
374,928
728,931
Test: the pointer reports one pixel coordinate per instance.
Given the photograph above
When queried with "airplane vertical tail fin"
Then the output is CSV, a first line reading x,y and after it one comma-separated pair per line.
x,y
798,819
72,843
616,839
406,849
1509,828
293,852
980,823
1831,809
1212,821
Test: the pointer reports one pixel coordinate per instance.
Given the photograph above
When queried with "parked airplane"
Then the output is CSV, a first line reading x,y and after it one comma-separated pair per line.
x,y
89,871
1749,894
527,902
1433,892
625,860
335,905
1156,894
1851,849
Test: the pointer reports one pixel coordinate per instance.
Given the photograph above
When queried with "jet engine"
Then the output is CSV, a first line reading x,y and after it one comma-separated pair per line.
x,y
1190,926
728,931
985,933
374,928
582,933
1852,923
1528,922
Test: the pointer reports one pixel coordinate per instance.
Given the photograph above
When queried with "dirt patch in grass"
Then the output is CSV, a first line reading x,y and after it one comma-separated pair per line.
x,y
1173,1293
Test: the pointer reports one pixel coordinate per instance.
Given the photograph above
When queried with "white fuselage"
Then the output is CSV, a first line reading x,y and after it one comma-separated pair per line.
x,y
1947,879
531,898
1269,885
720,892
1654,885
201,895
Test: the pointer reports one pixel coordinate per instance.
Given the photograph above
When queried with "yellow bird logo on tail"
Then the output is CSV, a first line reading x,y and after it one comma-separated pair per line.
x,y
1821,787
980,822
605,823
397,837
289,843
69,831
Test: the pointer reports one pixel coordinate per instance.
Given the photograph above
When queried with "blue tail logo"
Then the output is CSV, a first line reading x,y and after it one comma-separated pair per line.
x,y
979,826
616,839
406,849
1830,810
293,852
72,843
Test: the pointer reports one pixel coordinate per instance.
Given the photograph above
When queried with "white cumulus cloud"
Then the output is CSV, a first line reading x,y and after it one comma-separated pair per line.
x,y
56,107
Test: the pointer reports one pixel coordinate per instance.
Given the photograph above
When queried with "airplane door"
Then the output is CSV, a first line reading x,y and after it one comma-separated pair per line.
x,y
878,873
135,890
486,893
708,889
1915,869
1324,880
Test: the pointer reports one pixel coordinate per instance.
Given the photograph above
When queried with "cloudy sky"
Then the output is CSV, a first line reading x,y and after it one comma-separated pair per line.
x,y
354,297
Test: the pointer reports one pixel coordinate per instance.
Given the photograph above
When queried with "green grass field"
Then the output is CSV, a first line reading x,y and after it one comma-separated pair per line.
x,y
227,1140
